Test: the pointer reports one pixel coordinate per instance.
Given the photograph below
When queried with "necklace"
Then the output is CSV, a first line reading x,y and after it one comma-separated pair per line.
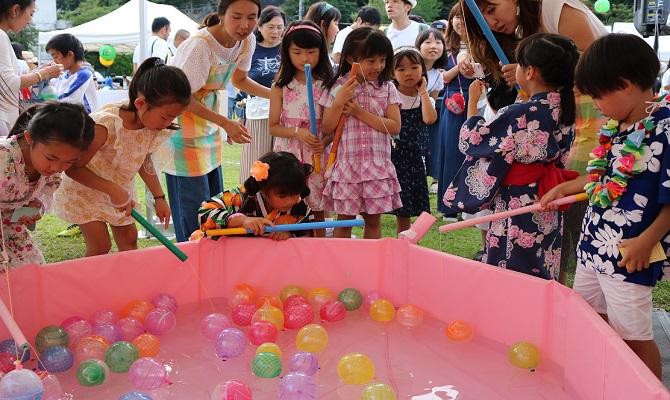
x,y
603,190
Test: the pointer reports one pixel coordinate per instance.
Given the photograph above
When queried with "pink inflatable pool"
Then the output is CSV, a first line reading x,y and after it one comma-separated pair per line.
x,y
582,358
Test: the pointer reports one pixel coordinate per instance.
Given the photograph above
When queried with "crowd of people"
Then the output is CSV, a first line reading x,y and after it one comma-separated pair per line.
x,y
392,107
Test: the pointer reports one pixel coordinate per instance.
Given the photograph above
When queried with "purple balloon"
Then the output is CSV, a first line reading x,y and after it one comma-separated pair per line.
x,y
371,298
130,328
69,321
230,343
304,363
108,331
213,324
77,330
160,321
166,301
147,374
104,316
297,386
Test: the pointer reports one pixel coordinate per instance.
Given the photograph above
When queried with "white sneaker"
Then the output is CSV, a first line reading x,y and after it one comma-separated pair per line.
x,y
433,188
449,219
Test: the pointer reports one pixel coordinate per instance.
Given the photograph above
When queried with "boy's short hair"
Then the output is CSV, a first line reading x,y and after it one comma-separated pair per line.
x,y
159,23
64,43
370,16
613,59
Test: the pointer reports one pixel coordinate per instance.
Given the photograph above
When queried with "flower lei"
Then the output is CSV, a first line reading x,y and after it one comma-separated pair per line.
x,y
604,190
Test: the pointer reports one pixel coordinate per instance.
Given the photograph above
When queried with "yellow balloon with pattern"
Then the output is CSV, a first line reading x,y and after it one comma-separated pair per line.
x,y
271,314
290,290
382,310
524,355
356,369
378,391
311,338
320,296
269,348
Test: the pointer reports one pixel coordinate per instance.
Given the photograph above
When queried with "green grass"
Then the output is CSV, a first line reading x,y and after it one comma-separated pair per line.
x,y
464,243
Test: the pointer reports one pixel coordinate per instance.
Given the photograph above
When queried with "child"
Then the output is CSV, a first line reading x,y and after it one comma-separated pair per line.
x,y
273,194
99,190
303,43
77,84
628,199
327,17
417,109
363,179
46,140
514,159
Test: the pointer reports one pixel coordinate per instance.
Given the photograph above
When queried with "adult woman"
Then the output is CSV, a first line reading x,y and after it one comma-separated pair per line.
x,y
14,16
264,66
451,119
219,52
513,20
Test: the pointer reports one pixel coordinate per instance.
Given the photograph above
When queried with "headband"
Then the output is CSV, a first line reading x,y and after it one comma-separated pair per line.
x,y
406,48
304,26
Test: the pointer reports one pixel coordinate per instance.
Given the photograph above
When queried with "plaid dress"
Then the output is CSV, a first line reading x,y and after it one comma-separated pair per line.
x,y
363,179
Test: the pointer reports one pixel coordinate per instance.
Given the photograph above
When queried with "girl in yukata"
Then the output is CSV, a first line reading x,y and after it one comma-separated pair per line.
x,y
513,160
303,43
274,194
46,140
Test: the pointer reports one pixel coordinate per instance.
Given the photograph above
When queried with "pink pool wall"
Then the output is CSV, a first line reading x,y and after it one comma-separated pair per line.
x,y
501,305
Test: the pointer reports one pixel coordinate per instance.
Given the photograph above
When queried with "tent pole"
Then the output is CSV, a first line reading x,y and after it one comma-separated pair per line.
x,y
144,35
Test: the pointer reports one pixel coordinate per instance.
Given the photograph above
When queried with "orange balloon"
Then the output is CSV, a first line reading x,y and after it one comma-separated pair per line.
x,y
137,309
243,293
290,290
269,300
271,314
320,296
147,344
459,331
382,310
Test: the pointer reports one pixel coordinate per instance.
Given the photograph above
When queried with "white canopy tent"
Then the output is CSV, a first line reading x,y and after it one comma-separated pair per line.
x,y
121,27
663,41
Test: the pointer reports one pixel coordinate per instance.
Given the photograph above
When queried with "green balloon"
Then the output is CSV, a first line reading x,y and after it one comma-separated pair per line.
x,y
378,391
120,356
92,372
51,336
107,52
351,298
266,365
602,6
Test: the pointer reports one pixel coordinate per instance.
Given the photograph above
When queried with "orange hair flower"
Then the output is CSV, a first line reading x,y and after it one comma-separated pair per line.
x,y
259,170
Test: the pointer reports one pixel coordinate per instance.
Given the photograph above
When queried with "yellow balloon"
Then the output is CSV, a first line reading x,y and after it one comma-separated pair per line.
x,y
105,63
459,331
320,296
524,355
311,338
271,314
382,310
378,391
269,348
356,369
290,290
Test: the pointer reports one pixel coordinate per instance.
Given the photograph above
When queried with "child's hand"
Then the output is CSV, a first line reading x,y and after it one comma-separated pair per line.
x,y
162,211
555,193
306,137
326,140
236,131
346,92
476,89
509,73
421,86
280,235
638,252
351,108
121,199
256,225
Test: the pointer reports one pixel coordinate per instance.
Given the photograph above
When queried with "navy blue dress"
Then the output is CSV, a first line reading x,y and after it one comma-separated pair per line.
x,y
449,156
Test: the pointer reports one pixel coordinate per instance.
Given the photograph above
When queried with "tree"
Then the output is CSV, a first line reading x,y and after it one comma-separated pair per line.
x,y
348,8
123,64
428,9
27,37
620,11
88,10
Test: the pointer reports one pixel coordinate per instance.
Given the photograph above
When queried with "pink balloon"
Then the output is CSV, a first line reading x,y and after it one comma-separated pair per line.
x,y
130,328
160,321
232,390
243,313
262,332
108,331
293,300
371,298
104,316
333,310
298,315
77,330
69,321
166,301
213,324
147,374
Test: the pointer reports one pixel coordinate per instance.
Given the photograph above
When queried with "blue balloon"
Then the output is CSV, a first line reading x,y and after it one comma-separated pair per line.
x,y
56,359
135,396
8,346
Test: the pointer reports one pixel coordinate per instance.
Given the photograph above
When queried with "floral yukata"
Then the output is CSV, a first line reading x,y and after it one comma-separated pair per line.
x,y
215,212
647,191
16,192
525,137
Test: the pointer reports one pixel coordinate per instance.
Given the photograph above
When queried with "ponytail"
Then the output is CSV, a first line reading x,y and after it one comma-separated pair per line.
x,y
160,84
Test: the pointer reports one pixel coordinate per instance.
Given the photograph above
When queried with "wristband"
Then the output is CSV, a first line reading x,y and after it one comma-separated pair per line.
x,y
159,197
39,76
